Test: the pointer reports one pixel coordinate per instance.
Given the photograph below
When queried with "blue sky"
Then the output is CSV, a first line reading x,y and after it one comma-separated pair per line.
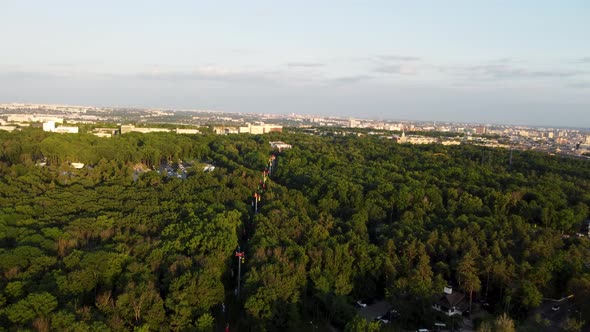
x,y
523,62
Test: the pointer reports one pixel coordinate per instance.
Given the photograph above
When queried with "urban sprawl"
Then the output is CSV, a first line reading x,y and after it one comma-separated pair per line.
x,y
99,121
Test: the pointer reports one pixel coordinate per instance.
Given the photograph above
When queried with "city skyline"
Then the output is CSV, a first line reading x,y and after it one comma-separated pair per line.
x,y
525,63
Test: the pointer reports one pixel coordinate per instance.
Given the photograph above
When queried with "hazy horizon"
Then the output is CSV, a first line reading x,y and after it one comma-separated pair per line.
x,y
525,63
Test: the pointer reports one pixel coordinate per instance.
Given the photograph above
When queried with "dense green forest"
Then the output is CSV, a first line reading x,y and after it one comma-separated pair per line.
x,y
104,248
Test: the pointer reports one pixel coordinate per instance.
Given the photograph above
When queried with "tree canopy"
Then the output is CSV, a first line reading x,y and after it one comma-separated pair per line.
x,y
108,247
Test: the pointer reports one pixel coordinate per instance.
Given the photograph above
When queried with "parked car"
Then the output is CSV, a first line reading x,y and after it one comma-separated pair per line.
x,y
382,321
360,304
555,308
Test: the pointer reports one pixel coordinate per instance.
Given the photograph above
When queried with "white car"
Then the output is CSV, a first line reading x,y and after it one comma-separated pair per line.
x,y
361,304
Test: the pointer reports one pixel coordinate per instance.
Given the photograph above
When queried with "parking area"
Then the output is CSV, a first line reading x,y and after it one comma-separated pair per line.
x,y
371,311
556,312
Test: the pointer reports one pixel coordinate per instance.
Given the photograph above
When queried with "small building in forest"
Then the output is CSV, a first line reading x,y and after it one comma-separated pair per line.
x,y
451,303
280,145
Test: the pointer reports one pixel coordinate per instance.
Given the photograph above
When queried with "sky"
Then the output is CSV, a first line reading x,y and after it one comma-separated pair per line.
x,y
513,62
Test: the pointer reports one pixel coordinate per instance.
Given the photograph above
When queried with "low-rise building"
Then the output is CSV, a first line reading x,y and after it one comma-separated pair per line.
x,y
33,118
131,128
416,139
451,303
450,142
18,118
49,126
280,145
7,128
259,129
224,130
66,130
105,132
187,131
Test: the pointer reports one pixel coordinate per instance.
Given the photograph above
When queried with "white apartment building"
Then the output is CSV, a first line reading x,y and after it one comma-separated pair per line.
x,y
259,129
131,128
49,126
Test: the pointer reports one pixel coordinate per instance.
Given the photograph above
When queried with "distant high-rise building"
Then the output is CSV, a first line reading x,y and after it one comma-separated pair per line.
x,y
480,130
395,127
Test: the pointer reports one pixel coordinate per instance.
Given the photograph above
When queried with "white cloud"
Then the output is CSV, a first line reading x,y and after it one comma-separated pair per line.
x,y
397,58
305,64
400,69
